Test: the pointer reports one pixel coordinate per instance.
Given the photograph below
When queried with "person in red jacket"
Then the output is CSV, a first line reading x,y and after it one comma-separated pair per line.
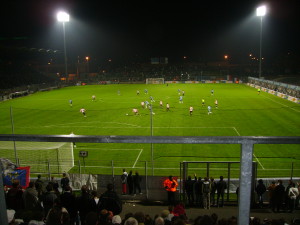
x,y
170,186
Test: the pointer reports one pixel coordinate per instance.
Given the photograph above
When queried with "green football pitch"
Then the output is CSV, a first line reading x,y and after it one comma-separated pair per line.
x,y
241,112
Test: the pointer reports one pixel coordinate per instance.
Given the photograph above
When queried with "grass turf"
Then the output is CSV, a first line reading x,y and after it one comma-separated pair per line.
x,y
241,112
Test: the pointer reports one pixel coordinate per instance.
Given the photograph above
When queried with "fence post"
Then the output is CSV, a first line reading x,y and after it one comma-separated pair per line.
x,y
79,170
146,180
292,171
228,181
113,172
3,213
245,182
49,170
207,169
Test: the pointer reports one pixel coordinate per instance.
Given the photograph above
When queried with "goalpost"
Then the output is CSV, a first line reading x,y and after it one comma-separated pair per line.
x,y
36,155
155,81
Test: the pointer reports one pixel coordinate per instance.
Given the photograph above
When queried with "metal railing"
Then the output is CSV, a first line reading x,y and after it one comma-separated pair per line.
x,y
246,156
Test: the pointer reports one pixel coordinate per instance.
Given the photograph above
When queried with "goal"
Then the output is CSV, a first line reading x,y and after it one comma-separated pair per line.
x,y
58,155
155,81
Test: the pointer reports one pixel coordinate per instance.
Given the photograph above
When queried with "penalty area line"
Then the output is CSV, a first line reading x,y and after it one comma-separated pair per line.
x,y
137,158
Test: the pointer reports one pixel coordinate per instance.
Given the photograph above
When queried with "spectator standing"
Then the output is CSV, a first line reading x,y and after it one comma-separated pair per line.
x,y
95,202
189,189
64,182
68,201
206,189
124,182
260,190
14,195
213,186
39,185
293,194
287,199
221,187
110,201
130,182
137,183
278,196
170,186
48,198
83,203
271,189
199,192
30,198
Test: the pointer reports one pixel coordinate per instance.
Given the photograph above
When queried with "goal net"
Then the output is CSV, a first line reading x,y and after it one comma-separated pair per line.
x,y
40,156
155,81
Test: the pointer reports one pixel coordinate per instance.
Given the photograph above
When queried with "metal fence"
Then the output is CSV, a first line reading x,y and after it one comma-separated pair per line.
x,y
246,156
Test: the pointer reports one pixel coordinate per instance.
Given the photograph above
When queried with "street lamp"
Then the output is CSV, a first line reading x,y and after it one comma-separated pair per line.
x,y
64,17
261,12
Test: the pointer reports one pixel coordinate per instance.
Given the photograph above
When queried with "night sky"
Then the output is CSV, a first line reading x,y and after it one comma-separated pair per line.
x,y
200,30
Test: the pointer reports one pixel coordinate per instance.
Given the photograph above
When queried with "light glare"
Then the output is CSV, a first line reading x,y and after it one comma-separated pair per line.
x,y
261,11
63,17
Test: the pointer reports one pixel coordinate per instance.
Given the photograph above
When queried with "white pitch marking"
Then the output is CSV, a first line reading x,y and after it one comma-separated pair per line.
x,y
137,158
236,131
253,153
114,149
282,104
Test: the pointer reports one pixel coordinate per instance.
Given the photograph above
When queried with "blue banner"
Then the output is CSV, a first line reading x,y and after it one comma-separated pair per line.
x,y
22,174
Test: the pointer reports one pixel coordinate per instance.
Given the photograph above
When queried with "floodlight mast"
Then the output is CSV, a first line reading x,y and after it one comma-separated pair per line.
x,y
260,12
64,17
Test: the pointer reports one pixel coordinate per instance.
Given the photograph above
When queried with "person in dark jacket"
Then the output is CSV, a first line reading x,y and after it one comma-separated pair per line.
x,y
14,196
199,192
83,203
30,198
213,191
278,196
221,187
48,198
68,201
130,183
110,201
137,183
64,182
189,189
260,190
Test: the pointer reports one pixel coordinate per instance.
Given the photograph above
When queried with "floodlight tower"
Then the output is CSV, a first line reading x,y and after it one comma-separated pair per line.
x,y
64,17
261,12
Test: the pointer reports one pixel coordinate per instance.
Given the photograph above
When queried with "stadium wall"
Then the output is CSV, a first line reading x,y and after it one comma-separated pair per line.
x,y
276,93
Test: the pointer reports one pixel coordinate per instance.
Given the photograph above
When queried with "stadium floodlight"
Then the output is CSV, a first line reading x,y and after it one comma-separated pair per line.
x,y
64,17
260,12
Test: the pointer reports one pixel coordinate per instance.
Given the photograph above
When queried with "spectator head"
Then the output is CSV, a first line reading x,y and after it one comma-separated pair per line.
x,y
49,187
68,188
140,217
15,183
159,221
91,218
64,174
31,184
39,176
165,213
170,177
116,220
131,221
110,187
221,177
189,178
10,216
84,189
260,181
